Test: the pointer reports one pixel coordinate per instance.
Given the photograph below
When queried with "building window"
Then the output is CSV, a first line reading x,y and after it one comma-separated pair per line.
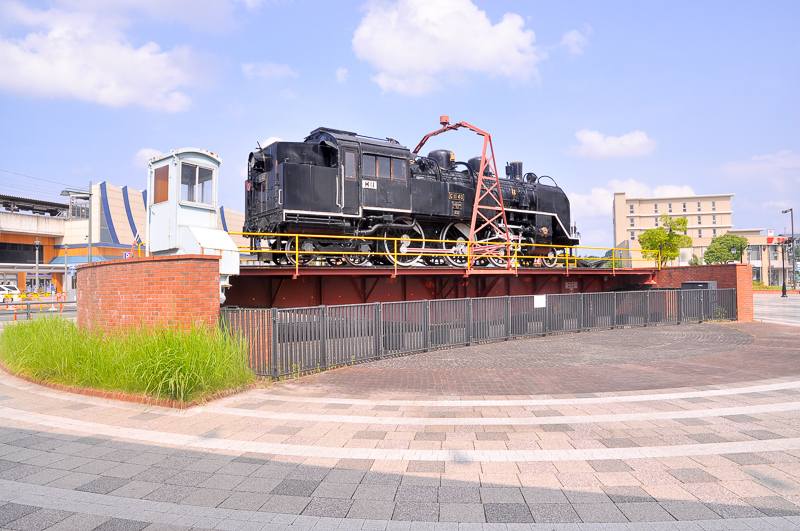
x,y
633,236
631,208
684,232
756,274
669,206
655,208
197,184
714,205
656,221
699,233
684,207
714,219
713,233
754,252
699,222
631,222
698,206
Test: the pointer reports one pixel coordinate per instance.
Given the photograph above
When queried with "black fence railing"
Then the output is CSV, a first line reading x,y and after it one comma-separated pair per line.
x,y
283,342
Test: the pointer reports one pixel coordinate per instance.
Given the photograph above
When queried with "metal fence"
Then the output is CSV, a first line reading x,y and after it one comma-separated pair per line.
x,y
289,341
27,310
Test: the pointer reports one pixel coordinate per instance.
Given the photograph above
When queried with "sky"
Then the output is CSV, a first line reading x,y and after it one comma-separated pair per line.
x,y
651,98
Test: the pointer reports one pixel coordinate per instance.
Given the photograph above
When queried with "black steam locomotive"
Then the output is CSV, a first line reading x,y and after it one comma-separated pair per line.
x,y
340,183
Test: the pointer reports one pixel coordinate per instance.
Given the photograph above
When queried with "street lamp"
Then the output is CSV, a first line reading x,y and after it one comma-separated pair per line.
x,y
36,243
740,249
794,251
783,267
82,194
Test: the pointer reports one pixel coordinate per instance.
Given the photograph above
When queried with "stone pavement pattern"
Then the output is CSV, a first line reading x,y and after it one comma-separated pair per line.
x,y
325,453
772,308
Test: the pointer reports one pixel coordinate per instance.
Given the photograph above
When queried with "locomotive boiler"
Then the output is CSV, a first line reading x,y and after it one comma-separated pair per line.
x,y
372,193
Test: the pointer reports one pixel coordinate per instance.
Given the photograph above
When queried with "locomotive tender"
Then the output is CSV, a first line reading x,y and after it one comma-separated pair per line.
x,y
340,183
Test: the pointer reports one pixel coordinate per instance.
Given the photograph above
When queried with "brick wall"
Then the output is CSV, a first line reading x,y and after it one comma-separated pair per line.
x,y
739,276
176,290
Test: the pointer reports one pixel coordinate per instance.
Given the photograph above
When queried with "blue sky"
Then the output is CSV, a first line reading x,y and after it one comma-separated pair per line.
x,y
649,97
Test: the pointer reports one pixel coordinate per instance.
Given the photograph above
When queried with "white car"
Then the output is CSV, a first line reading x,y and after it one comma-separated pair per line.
x,y
9,293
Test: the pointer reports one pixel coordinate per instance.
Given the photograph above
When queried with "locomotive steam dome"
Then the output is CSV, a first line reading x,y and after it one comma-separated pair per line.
x,y
443,157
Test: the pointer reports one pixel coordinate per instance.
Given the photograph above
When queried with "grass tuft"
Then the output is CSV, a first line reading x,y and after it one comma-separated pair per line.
x,y
163,363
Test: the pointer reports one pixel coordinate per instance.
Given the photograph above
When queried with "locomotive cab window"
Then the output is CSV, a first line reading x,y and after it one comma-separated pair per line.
x,y
197,184
350,164
384,167
368,166
399,169
161,185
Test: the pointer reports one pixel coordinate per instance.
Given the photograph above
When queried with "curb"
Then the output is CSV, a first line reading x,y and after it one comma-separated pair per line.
x,y
125,397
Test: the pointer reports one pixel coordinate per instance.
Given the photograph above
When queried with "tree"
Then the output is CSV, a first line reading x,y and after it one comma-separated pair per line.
x,y
695,260
719,251
668,239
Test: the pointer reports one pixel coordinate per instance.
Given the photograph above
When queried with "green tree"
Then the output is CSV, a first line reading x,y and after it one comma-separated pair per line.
x,y
695,260
719,251
668,239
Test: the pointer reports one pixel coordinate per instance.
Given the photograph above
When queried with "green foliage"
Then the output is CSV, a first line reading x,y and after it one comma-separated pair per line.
x,y
719,251
668,238
696,260
161,363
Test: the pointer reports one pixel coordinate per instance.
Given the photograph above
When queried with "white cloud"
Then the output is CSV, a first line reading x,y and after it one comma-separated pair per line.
x,y
141,158
267,70
77,54
596,145
341,75
600,200
416,44
575,41
759,165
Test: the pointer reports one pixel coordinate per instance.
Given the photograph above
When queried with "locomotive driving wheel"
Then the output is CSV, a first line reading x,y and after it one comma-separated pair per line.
x,y
455,236
359,259
305,255
407,250
551,259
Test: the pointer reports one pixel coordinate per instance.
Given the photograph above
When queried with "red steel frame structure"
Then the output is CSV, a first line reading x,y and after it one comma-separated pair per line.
x,y
491,216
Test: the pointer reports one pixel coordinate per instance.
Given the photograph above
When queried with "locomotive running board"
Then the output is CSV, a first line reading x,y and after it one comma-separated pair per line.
x,y
490,216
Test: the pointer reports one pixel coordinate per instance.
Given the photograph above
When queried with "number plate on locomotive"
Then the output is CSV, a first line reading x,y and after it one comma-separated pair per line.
x,y
370,185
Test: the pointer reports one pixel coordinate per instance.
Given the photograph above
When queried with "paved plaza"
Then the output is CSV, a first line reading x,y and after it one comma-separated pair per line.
x,y
772,308
690,427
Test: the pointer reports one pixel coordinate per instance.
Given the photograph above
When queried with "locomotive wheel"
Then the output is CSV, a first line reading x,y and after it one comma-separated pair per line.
x,y
496,261
551,259
357,259
305,257
405,247
457,235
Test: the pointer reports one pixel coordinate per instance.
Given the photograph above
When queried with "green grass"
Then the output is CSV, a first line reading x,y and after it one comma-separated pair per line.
x,y
167,364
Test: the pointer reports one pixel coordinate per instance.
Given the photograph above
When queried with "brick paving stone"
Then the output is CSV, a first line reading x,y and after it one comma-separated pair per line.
x,y
762,435
415,493
538,495
746,458
461,512
375,492
251,484
169,493
773,506
507,513
740,418
707,438
205,497
599,513
36,521
119,524
79,522
459,495
295,487
553,513
334,490
103,485
13,511
644,512
285,504
355,464
728,510
692,422
609,465
371,510
244,501
689,510
340,475
416,511
330,507
618,442
627,494
692,475
436,467
511,495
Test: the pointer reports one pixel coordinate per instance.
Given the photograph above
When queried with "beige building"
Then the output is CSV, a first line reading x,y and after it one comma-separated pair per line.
x,y
708,216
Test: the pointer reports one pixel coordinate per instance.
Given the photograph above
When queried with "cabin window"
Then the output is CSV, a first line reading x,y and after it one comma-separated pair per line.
x,y
384,167
161,185
368,166
350,164
197,184
399,169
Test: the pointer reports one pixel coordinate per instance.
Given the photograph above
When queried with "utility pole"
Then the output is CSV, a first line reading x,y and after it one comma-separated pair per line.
x,y
790,211
36,243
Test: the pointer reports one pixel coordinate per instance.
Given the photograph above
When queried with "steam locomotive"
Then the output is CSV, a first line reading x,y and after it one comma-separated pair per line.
x,y
369,191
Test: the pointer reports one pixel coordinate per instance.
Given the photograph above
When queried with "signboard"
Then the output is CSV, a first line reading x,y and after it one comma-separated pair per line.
x,y
540,301
571,285
126,255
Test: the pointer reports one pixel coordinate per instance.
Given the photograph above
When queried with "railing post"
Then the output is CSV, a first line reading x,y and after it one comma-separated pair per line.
x,y
647,309
427,327
274,354
378,330
469,321
580,312
508,317
324,340
614,324
702,307
680,306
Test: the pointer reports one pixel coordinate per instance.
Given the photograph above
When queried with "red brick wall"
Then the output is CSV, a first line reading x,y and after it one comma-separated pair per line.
x,y
739,276
175,290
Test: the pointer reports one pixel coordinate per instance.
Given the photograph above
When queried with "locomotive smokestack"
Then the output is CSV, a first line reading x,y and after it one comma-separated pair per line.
x,y
444,120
